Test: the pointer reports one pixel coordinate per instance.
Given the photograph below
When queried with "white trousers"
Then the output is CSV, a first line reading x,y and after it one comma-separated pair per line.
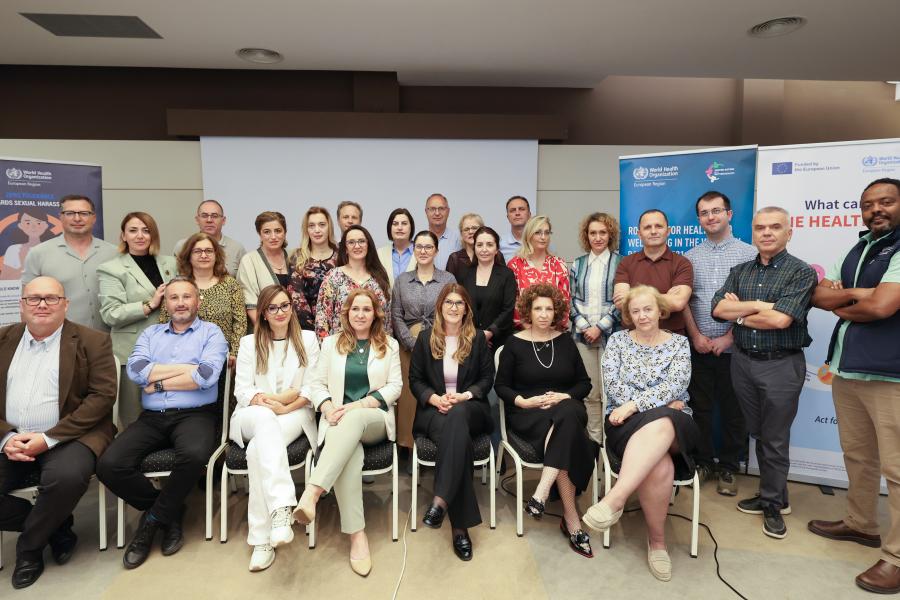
x,y
591,356
266,437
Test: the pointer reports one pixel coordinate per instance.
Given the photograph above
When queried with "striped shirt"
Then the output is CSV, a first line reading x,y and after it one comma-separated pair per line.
x,y
787,282
712,263
32,386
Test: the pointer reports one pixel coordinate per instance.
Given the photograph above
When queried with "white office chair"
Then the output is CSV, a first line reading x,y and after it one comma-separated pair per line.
x,y
30,491
525,455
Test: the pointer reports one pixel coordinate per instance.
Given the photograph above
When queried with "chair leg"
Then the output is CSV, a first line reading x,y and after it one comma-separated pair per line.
x,y
1,550
101,501
210,471
311,528
595,493
223,505
498,463
518,507
484,469
493,490
233,484
695,520
394,492
120,523
607,485
413,517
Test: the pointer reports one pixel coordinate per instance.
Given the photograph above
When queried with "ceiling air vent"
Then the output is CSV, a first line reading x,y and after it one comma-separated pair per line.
x,y
260,56
777,27
96,26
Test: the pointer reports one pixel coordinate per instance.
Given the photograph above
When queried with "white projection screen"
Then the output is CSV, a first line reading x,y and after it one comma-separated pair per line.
x,y
250,175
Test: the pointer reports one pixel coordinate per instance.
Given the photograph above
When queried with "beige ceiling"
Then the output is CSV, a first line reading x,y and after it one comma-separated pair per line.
x,y
483,42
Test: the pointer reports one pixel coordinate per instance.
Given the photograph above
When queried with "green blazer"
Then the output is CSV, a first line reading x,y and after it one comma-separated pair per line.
x,y
123,290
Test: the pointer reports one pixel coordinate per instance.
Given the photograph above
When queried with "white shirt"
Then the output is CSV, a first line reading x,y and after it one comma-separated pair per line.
x,y
32,386
598,265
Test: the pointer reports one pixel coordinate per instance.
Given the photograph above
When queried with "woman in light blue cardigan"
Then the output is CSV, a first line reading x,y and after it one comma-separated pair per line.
x,y
593,315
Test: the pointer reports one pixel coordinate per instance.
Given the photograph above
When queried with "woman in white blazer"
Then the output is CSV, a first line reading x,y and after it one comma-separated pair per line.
x,y
397,255
131,288
272,387
357,380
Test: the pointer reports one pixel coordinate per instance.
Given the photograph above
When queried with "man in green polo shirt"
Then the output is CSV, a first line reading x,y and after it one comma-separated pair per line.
x,y
863,290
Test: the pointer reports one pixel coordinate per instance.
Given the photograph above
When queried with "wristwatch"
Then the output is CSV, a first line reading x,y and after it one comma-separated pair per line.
x,y
158,387
148,305
739,321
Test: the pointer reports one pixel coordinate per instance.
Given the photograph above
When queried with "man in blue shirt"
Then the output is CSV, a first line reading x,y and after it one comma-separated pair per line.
x,y
178,364
518,211
438,211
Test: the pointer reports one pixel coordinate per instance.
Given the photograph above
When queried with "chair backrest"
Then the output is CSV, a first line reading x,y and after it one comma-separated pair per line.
x,y
499,399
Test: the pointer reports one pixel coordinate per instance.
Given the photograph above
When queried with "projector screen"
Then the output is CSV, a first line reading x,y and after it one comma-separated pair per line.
x,y
250,175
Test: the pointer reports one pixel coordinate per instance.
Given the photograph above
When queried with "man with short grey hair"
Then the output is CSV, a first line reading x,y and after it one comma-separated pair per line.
x,y
210,219
72,259
437,210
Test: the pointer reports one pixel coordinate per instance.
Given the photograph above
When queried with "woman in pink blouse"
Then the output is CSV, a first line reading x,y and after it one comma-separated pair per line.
x,y
535,264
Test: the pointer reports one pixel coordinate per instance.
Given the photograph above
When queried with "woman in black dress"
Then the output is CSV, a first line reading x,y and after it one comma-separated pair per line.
x,y
450,374
542,381
492,287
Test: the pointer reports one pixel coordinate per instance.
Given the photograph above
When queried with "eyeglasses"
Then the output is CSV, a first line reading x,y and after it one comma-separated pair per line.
x,y
454,303
359,243
275,308
473,228
543,233
713,211
203,251
71,214
424,247
209,216
51,300
436,209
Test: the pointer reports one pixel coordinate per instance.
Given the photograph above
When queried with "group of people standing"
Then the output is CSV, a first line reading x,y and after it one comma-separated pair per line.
x,y
398,342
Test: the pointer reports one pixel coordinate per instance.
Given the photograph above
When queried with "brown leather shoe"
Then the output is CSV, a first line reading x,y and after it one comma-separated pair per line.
x,y
838,530
881,578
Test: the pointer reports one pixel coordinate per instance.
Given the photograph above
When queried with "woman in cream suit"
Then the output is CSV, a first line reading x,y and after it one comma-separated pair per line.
x,y
131,291
269,264
274,370
357,380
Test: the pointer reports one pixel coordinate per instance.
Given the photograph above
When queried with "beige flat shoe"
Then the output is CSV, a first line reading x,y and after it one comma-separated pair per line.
x,y
660,564
600,517
305,513
361,566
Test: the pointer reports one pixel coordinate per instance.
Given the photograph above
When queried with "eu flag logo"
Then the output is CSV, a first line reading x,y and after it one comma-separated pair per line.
x,y
782,168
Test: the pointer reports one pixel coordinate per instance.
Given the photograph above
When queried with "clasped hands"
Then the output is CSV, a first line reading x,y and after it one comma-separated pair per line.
x,y
335,415
23,447
445,402
544,401
620,414
279,403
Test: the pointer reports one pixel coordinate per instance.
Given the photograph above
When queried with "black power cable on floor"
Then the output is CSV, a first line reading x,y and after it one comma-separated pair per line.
x,y
701,524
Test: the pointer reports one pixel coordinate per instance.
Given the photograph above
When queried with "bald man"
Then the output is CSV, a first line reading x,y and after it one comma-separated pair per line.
x,y
55,420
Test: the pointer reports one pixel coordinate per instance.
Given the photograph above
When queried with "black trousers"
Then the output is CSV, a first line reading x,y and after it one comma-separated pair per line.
x,y
66,471
711,386
191,432
453,469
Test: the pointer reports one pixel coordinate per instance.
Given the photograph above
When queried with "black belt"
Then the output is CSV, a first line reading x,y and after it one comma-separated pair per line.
x,y
774,355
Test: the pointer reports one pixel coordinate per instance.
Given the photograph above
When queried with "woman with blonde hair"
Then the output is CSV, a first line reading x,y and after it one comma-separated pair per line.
x,y
272,387
648,423
357,380
310,263
535,264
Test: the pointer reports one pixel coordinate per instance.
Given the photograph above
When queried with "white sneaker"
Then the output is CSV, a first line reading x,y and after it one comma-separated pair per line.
x,y
262,558
282,532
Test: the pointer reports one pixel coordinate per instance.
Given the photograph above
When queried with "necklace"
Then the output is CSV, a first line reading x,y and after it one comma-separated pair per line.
x,y
361,348
544,345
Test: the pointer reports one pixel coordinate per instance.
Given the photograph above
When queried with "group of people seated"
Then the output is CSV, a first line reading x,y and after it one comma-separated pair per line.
x,y
351,346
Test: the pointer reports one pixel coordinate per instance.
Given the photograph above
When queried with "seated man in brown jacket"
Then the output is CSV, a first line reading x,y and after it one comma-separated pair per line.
x,y
57,390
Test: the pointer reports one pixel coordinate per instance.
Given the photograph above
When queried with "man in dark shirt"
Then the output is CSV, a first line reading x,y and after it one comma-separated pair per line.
x,y
656,265
768,299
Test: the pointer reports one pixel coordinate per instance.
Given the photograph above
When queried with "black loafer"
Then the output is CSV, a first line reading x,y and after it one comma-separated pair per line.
x,y
579,541
173,537
462,546
535,508
26,572
139,548
434,517
62,544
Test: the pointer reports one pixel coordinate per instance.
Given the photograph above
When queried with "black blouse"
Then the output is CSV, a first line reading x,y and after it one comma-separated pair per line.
x,y
148,265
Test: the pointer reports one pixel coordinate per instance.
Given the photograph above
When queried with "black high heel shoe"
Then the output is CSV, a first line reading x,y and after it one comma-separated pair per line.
x,y
535,508
579,542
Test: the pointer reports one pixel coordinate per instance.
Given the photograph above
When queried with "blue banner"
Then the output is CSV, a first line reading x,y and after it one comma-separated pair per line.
x,y
673,182
30,191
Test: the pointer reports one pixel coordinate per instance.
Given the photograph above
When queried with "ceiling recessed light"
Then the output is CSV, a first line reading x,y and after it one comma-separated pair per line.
x,y
262,56
777,27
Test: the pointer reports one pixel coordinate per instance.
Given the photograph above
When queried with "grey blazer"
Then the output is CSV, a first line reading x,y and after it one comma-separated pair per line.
x,y
123,289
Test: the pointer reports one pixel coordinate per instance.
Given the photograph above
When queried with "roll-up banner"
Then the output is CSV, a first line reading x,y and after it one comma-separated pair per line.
x,y
30,190
820,186
673,181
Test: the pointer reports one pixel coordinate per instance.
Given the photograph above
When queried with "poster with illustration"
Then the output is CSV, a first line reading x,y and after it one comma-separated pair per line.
x,y
30,190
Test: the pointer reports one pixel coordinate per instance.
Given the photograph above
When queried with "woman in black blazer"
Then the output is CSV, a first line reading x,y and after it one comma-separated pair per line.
x,y
492,288
450,374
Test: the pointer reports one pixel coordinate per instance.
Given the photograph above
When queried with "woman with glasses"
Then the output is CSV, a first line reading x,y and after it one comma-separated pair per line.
x,y
397,255
412,309
594,316
461,262
311,262
534,264
131,292
492,288
222,298
357,380
272,387
357,267
269,264
451,373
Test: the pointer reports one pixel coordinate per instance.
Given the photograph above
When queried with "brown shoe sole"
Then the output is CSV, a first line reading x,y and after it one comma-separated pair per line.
x,y
847,538
875,589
